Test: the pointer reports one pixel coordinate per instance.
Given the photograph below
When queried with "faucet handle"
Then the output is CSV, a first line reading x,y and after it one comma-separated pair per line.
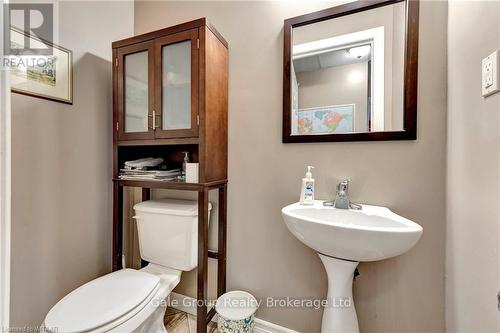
x,y
344,184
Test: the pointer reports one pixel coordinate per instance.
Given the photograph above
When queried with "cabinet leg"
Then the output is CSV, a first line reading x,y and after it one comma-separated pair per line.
x,y
201,314
146,195
222,241
117,226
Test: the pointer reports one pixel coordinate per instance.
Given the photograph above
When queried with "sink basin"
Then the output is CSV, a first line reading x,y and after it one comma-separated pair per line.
x,y
343,238
372,233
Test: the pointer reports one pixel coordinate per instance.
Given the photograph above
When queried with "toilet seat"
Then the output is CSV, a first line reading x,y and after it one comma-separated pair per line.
x,y
114,297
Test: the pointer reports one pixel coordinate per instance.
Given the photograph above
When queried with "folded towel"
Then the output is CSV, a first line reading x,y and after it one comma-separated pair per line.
x,y
144,162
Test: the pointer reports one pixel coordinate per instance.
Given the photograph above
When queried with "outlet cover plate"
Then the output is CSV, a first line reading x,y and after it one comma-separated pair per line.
x,y
490,74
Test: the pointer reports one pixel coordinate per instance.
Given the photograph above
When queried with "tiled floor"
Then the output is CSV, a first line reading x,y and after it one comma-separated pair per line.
x,y
177,321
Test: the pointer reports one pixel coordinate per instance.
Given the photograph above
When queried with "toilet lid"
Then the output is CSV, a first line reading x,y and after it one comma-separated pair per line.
x,y
101,301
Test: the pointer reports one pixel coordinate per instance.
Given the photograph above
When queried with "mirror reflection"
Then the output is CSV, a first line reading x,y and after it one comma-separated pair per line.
x,y
347,73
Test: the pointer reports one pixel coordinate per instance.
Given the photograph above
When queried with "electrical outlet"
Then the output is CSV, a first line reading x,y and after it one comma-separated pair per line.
x,y
490,75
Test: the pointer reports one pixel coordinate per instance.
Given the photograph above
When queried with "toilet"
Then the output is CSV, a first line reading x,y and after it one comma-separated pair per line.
x,y
132,300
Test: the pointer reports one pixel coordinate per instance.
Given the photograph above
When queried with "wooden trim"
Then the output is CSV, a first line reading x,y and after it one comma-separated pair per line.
x,y
160,142
160,33
217,34
213,254
117,226
202,283
222,241
115,114
188,35
170,185
287,81
120,92
337,11
202,66
210,315
411,69
145,195
410,72
213,107
47,98
171,30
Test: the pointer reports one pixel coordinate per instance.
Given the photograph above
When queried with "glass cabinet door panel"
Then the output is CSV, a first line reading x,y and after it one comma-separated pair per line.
x,y
176,86
136,92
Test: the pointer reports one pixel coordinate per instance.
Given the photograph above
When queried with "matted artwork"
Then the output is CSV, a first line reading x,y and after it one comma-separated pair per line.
x,y
326,120
48,77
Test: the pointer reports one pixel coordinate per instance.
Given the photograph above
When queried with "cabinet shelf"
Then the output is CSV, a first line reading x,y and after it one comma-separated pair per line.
x,y
157,142
171,185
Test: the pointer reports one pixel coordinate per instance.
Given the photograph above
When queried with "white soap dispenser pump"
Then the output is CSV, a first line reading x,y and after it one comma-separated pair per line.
x,y
307,190
185,160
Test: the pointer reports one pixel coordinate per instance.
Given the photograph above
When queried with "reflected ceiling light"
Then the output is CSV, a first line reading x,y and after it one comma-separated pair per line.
x,y
359,51
355,76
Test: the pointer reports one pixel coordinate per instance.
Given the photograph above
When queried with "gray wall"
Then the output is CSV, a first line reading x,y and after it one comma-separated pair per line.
x,y
332,86
473,187
61,168
404,294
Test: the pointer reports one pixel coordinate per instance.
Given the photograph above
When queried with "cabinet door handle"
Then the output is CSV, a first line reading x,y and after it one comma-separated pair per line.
x,y
154,115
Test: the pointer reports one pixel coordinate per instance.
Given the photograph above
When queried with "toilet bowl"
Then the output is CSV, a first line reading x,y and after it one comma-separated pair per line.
x,y
131,300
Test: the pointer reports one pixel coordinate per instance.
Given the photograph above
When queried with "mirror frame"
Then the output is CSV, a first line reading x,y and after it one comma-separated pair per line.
x,y
409,131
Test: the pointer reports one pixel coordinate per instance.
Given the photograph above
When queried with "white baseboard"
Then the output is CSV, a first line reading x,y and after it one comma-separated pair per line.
x,y
188,304
183,303
262,326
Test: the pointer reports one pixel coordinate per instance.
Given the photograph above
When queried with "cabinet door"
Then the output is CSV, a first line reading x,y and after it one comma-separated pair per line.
x,y
176,85
135,91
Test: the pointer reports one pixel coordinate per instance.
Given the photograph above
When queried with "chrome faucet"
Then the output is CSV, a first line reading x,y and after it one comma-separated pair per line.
x,y
342,200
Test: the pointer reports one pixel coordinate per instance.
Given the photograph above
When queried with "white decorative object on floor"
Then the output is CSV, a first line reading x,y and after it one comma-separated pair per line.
x,y
188,304
236,311
135,300
343,238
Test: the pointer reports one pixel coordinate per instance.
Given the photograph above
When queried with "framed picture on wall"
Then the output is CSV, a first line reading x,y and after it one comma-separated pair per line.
x,y
326,120
49,77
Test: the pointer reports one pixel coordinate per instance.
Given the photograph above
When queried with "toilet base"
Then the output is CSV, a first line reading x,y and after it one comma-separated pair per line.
x,y
150,318
152,324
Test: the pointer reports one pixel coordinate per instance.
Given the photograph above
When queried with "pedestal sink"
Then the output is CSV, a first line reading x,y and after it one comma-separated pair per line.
x,y
343,238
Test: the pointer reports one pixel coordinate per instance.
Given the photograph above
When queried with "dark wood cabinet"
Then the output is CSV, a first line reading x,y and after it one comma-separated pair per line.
x,y
170,89
170,96
160,82
134,91
176,84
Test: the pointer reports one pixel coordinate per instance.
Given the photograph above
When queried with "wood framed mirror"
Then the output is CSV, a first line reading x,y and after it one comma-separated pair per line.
x,y
350,73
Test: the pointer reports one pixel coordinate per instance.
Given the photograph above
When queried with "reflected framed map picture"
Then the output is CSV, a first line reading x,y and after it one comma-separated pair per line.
x,y
325,120
49,77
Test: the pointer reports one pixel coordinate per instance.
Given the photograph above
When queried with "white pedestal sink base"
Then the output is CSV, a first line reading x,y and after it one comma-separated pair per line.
x,y
340,315
370,234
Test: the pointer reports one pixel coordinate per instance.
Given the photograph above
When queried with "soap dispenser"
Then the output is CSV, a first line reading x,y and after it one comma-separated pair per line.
x,y
307,190
186,160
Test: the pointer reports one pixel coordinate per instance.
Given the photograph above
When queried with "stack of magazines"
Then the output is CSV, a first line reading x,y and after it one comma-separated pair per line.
x,y
148,169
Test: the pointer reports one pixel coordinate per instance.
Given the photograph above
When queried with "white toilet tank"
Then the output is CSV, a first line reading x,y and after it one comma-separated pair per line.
x,y
168,232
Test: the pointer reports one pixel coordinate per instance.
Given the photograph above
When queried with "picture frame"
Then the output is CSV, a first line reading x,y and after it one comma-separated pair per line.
x,y
47,77
325,120
409,68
